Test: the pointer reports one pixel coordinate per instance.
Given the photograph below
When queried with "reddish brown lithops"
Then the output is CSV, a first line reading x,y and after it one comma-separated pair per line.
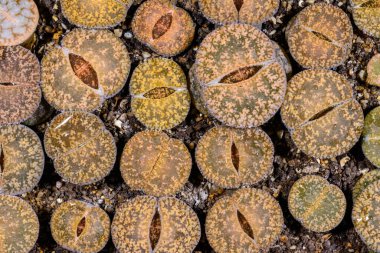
x,y
321,113
90,66
373,70
320,36
155,163
19,84
80,227
366,14
231,157
242,83
147,224
165,28
82,149
366,180
250,220
19,226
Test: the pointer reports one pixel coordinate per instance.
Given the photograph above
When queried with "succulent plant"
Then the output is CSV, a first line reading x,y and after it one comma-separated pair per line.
x,y
148,224
155,163
366,180
91,65
322,115
19,226
165,28
320,36
80,227
373,69
196,92
95,13
366,14
160,99
41,115
250,220
242,83
18,21
371,137
20,92
231,157
318,205
82,149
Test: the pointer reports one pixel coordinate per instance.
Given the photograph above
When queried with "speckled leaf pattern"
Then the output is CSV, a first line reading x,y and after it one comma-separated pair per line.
x,y
373,70
366,14
371,137
196,92
366,180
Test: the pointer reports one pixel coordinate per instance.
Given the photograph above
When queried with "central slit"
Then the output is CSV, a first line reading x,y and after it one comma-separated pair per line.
x,y
2,160
7,84
81,226
159,92
238,4
241,74
322,113
321,36
162,26
245,225
84,71
155,230
371,4
235,156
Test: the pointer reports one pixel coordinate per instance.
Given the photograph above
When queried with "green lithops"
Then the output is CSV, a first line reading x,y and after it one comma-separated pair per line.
x,y
19,226
373,70
21,159
160,99
250,220
155,163
371,137
147,224
321,113
232,157
366,180
242,83
80,227
318,205
82,149
366,14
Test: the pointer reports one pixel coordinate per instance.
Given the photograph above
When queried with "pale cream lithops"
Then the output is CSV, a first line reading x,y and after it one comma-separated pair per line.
x,y
373,70
366,14
366,180
371,137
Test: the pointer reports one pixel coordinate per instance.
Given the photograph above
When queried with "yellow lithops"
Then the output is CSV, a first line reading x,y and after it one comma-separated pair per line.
x,y
373,70
366,14
371,136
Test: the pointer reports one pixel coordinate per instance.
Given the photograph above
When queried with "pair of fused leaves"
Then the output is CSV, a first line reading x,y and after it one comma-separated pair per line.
x,y
366,14
147,224
373,70
371,137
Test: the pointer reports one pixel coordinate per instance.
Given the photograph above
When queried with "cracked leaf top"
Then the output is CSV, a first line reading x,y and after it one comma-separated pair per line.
x,y
366,14
371,137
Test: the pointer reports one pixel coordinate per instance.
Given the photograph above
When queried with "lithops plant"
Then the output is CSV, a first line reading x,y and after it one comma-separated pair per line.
x,y
253,12
320,36
242,83
82,149
366,180
371,137
90,66
366,14
21,159
20,91
196,92
18,21
250,220
80,227
318,205
231,157
373,70
166,29
160,99
321,113
155,163
95,13
19,226
147,224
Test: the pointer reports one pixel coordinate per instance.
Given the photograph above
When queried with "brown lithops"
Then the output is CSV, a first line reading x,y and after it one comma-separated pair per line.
x,y
318,205
82,149
371,137
18,21
366,180
19,84
231,157
91,65
147,224
165,28
321,113
373,70
320,36
242,83
366,14
80,227
95,13
19,226
250,220
160,99
155,163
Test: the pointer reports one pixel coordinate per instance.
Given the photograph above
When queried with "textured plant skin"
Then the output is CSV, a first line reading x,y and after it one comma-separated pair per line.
x,y
21,159
89,67
155,163
20,92
19,226
373,69
196,92
95,13
82,149
366,180
179,230
165,28
322,115
80,227
231,157
318,205
320,36
160,99
260,228
366,216
371,137
366,14
242,83
283,59
18,21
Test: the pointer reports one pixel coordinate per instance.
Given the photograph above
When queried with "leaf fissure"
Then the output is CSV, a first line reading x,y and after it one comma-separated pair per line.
x,y
238,4
81,226
235,156
162,26
159,92
322,36
245,225
371,4
2,159
84,71
241,74
155,230
322,113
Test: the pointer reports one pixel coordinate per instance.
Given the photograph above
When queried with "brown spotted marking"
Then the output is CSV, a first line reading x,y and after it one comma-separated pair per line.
x,y
84,70
162,26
